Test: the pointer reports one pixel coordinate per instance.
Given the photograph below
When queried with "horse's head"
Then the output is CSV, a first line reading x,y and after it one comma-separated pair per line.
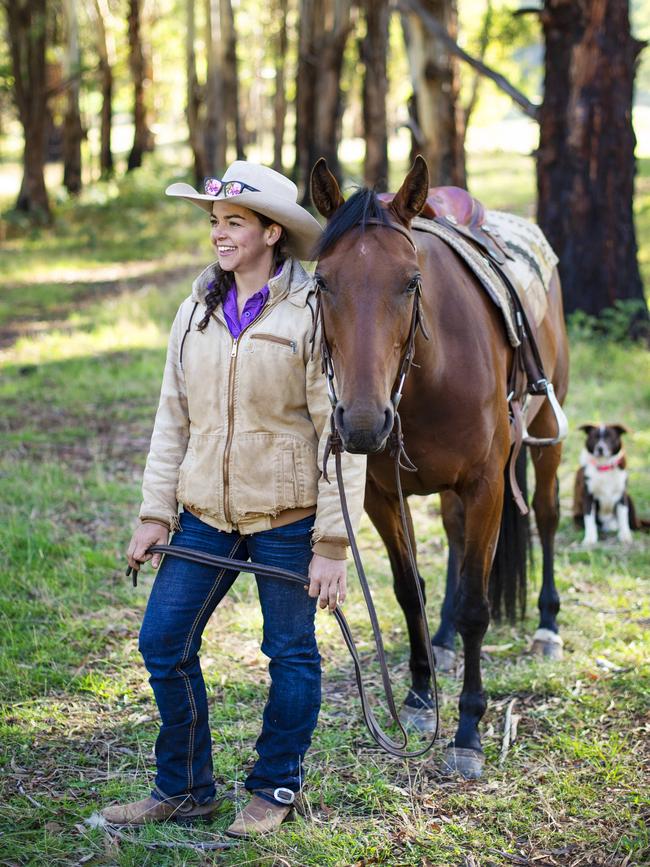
x,y
368,277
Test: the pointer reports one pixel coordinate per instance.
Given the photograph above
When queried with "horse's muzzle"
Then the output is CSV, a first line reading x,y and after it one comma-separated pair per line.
x,y
363,430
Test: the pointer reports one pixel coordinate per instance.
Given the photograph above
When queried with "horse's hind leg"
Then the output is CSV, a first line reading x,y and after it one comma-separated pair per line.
x,y
445,638
383,510
546,460
483,500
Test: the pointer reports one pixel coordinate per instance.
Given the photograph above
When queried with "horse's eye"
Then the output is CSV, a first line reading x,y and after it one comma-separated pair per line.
x,y
320,283
414,284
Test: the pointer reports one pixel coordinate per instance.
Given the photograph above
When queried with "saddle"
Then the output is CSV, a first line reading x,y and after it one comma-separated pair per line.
x,y
461,212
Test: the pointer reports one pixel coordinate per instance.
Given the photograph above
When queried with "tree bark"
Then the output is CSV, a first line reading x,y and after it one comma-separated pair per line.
x,y
26,21
324,29
280,96
374,52
436,85
194,98
72,129
585,165
142,136
215,120
230,79
106,52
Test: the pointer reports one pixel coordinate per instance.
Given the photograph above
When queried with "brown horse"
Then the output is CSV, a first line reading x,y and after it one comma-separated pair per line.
x,y
454,415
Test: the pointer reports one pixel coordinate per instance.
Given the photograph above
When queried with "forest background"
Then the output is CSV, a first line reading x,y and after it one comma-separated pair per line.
x,y
89,287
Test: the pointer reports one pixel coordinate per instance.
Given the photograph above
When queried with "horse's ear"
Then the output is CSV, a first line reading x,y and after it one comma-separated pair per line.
x,y
412,195
325,192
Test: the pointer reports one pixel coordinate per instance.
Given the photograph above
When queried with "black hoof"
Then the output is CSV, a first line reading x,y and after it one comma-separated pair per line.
x,y
467,763
419,711
445,659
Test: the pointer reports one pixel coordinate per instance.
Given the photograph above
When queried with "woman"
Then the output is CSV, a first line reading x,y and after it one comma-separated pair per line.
x,y
239,433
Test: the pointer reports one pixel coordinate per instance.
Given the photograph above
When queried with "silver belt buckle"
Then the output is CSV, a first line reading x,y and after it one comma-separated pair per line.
x,y
284,796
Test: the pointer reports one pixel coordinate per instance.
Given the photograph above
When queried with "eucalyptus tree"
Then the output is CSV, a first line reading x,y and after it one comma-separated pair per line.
x,y
27,30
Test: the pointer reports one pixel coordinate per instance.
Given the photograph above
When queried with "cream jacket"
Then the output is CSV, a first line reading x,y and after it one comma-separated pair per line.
x,y
242,424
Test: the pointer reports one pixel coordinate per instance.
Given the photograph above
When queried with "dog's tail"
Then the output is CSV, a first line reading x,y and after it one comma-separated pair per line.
x,y
578,498
637,523
508,578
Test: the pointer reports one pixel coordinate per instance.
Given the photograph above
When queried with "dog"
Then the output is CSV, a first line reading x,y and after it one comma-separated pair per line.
x,y
600,499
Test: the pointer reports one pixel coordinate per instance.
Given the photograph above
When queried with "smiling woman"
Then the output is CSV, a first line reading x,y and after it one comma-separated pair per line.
x,y
239,430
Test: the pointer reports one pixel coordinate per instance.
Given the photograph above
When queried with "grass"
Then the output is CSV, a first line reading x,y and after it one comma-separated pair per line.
x,y
82,330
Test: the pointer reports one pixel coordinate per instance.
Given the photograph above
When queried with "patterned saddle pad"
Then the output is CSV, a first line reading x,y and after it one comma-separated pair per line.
x,y
530,267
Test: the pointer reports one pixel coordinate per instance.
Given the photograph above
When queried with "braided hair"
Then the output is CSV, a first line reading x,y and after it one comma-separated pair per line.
x,y
224,280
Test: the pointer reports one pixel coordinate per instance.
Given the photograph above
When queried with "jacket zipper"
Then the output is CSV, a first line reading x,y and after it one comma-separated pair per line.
x,y
231,410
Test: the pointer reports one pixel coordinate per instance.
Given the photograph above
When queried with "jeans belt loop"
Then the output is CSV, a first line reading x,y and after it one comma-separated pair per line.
x,y
284,796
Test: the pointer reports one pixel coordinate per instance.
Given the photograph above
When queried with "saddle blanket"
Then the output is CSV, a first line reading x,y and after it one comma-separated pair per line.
x,y
529,270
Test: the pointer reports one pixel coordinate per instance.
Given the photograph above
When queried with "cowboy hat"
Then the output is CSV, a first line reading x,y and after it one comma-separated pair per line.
x,y
272,195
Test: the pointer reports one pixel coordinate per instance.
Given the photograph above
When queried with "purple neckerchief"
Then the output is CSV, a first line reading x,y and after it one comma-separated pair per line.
x,y
252,308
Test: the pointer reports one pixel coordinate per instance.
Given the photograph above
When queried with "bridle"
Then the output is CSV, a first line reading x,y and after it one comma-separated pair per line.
x,y
417,322
401,461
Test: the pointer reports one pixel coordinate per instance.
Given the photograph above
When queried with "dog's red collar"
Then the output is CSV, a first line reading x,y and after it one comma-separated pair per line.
x,y
611,464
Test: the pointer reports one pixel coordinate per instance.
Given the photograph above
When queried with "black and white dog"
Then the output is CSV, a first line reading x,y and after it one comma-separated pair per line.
x,y
600,497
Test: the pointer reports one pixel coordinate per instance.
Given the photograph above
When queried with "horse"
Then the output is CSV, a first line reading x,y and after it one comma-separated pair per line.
x,y
454,417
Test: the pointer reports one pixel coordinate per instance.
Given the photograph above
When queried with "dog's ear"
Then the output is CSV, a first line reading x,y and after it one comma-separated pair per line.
x,y
587,428
620,429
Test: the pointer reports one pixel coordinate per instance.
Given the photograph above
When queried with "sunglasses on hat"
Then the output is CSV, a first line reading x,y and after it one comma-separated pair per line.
x,y
213,186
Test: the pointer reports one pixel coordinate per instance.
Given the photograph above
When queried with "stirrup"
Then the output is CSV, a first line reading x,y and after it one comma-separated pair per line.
x,y
546,388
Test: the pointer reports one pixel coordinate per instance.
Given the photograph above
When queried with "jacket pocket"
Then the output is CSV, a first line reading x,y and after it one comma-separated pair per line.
x,y
274,338
200,481
286,480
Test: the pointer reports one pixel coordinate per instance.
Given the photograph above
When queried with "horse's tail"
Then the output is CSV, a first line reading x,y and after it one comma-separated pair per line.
x,y
507,588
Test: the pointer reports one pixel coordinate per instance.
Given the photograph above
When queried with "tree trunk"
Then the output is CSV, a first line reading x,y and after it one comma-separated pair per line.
x,y
106,51
374,51
305,94
437,113
193,107
215,120
280,96
72,128
26,20
142,136
230,80
324,29
585,165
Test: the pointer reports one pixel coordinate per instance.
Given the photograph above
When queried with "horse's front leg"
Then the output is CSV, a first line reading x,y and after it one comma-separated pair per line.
x,y
483,500
444,640
419,708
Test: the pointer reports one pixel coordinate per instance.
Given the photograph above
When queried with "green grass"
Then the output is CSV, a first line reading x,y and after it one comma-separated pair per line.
x,y
83,330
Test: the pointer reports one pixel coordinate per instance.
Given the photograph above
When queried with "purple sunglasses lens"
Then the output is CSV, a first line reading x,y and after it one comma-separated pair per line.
x,y
213,186
234,188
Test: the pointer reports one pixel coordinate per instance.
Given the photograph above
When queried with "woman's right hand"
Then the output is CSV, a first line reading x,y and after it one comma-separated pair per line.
x,y
145,536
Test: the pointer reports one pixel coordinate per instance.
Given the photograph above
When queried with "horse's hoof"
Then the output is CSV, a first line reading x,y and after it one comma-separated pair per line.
x,y
547,644
467,763
419,711
445,659
422,719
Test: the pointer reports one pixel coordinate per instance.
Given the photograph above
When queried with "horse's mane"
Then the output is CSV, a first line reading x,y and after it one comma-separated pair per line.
x,y
362,206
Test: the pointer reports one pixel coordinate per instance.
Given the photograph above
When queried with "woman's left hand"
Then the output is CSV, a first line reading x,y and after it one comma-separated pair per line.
x,y
327,580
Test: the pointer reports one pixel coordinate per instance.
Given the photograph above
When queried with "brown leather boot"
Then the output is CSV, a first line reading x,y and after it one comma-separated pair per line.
x,y
260,816
151,810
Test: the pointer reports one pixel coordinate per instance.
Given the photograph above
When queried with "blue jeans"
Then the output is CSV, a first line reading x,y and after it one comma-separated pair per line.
x,y
183,597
